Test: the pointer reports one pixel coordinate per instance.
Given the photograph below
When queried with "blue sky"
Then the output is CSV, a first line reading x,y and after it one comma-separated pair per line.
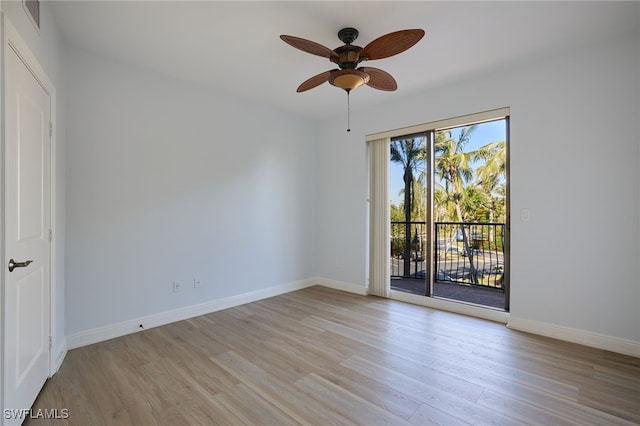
x,y
483,134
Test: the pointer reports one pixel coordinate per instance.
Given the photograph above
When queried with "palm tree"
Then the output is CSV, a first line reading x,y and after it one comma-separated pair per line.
x,y
455,167
441,208
490,176
408,153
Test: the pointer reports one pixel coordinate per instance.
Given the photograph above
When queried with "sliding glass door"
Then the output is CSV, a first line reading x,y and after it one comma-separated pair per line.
x,y
447,198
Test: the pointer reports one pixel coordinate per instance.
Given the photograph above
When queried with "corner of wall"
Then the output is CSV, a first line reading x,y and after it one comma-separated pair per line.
x,y
59,355
341,285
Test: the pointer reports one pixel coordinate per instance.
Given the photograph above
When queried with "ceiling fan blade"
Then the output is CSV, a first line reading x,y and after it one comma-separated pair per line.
x,y
391,44
379,79
308,46
314,81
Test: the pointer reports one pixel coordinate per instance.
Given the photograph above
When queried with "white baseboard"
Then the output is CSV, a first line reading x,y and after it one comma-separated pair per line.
x,y
341,285
587,338
111,331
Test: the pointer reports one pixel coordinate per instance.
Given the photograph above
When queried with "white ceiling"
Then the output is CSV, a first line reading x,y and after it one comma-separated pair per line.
x,y
234,46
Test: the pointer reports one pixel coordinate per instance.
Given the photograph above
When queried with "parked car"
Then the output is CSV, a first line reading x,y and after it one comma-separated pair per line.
x,y
443,245
416,256
455,249
443,277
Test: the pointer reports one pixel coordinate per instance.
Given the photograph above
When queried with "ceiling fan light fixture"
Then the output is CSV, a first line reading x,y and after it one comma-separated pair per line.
x,y
348,79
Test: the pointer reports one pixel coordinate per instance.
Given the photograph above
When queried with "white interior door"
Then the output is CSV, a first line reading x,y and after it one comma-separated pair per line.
x,y
27,216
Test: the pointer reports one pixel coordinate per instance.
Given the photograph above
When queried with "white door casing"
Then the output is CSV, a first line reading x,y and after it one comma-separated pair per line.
x,y
27,215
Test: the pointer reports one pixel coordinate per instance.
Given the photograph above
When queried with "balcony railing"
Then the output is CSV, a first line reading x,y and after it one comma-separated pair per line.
x,y
469,253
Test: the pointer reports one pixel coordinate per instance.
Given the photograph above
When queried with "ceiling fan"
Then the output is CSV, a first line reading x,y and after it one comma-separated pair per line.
x,y
348,76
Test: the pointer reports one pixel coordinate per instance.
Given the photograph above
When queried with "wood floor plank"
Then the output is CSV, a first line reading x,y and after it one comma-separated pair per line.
x,y
330,368
504,402
428,415
454,401
336,398
319,356
279,392
251,408
619,376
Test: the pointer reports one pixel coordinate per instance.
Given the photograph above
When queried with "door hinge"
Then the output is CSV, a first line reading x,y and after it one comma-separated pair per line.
x,y
50,129
50,235
50,342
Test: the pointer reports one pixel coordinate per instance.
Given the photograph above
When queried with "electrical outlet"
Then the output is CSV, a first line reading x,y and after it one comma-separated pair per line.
x,y
176,287
196,282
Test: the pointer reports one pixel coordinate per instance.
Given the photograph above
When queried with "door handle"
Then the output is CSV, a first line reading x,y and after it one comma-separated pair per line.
x,y
13,265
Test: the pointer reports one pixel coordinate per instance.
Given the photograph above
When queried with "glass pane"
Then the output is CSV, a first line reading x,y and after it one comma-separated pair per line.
x,y
470,213
408,177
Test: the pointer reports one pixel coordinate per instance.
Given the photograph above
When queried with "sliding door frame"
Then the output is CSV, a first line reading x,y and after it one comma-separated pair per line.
x,y
379,253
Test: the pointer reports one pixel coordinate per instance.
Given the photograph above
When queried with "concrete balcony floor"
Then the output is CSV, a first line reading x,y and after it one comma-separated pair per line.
x,y
484,296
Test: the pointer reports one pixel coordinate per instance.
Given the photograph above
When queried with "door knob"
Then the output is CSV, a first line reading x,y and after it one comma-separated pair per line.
x,y
13,265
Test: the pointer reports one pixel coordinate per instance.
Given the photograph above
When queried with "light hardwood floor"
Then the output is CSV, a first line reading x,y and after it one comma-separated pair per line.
x,y
319,356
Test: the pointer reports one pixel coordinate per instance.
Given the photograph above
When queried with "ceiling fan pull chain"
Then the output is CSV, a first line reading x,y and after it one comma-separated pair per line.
x,y
348,112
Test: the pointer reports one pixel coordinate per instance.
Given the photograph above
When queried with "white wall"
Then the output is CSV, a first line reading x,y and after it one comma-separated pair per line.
x,y
167,181
574,164
46,46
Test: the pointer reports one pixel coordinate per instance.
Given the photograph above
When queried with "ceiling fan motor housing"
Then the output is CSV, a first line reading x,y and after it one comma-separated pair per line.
x,y
348,56
348,35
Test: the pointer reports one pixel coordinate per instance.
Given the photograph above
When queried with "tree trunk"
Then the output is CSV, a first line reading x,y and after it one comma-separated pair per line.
x,y
465,238
408,180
